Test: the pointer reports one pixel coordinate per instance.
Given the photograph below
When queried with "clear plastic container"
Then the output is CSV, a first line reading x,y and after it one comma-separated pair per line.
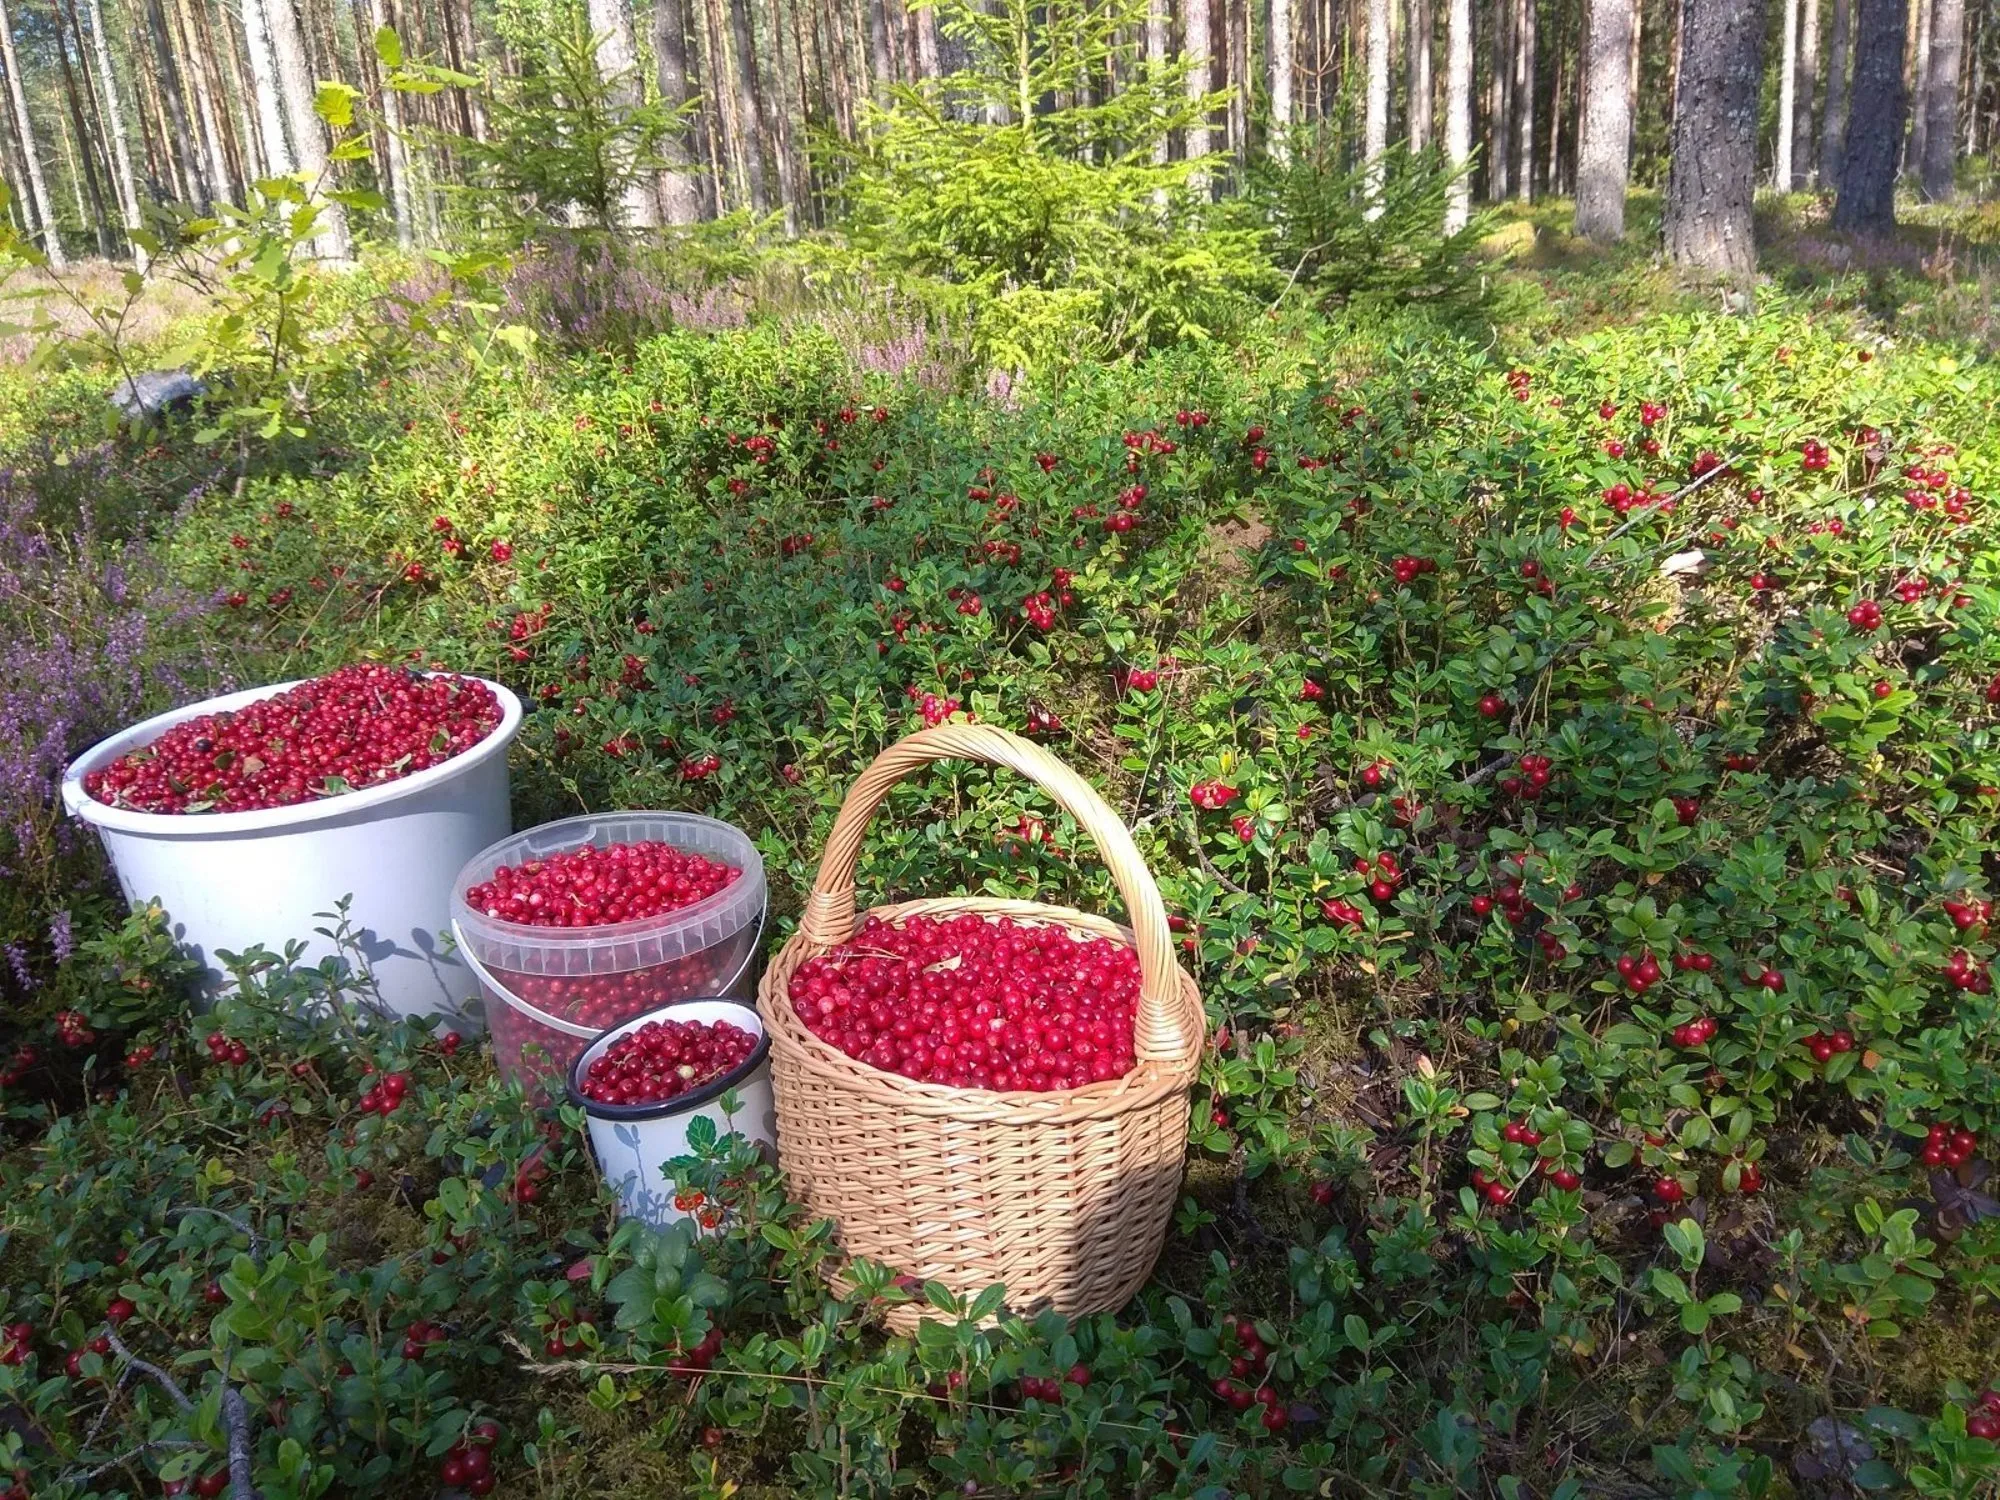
x,y
551,990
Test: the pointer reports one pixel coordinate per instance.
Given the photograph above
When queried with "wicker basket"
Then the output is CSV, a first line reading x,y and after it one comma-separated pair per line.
x,y
1062,1197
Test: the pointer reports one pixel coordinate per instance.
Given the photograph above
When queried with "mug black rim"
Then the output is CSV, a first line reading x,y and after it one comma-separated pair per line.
x,y
681,1103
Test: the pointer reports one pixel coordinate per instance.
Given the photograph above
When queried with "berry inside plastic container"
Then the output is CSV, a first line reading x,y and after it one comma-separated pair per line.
x,y
550,990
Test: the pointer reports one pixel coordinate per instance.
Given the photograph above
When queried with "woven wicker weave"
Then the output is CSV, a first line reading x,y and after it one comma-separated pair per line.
x,y
1062,1197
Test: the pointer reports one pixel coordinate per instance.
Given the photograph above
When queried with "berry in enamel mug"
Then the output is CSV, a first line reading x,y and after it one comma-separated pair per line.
x,y
665,1059
975,1004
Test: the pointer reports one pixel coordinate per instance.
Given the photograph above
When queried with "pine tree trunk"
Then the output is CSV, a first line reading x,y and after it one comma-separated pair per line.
x,y
1604,134
1807,97
1500,95
881,66
1458,111
215,166
1867,201
242,136
38,185
618,68
309,145
114,120
168,75
718,114
750,101
395,157
1558,97
1714,165
1839,63
1916,84
1195,48
680,195
1788,93
1417,80
1236,49
781,148
924,21
86,153
1524,100
1940,98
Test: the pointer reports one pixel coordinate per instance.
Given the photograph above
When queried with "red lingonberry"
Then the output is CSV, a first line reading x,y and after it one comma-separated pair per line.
x,y
664,1059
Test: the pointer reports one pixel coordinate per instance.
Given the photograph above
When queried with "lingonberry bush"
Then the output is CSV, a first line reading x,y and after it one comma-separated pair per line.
x,y
1574,783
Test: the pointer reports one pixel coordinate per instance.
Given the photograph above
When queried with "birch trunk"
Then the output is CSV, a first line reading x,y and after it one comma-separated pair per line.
x,y
1917,78
1195,48
84,150
1159,21
264,87
618,68
114,120
1418,80
1375,119
1524,100
38,184
1788,93
1807,96
309,143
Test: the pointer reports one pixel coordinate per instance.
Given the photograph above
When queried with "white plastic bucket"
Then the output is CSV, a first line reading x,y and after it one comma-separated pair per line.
x,y
231,881
549,990
633,1142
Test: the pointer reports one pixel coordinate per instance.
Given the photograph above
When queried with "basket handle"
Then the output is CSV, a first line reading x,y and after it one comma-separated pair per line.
x,y
829,915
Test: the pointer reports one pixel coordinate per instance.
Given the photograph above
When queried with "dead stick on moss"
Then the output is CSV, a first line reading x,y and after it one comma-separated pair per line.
x,y
160,1377
236,1423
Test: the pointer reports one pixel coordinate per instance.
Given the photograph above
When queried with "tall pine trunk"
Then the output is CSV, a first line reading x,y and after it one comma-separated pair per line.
x,y
1524,100
680,194
1916,83
881,66
114,121
1500,98
1714,167
750,101
1604,130
38,183
1458,111
215,160
1808,97
1788,95
923,20
1940,98
1236,40
86,152
395,155
308,132
1417,74
1839,63
1877,103
168,75
781,147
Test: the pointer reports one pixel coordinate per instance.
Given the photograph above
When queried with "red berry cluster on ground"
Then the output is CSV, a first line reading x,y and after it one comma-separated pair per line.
x,y
419,1336
17,1342
1967,973
971,1003
1824,1046
1985,1421
1383,875
1865,616
1141,680
1813,455
1531,778
1409,569
595,886
383,1098
73,1029
1345,913
565,1337
1966,915
1946,1147
665,1059
701,1356
1696,960
469,1462
223,1050
1211,796
361,726
1694,1033
24,1058
1640,973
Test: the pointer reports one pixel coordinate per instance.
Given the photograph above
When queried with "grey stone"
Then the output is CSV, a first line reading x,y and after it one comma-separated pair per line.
x,y
154,393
